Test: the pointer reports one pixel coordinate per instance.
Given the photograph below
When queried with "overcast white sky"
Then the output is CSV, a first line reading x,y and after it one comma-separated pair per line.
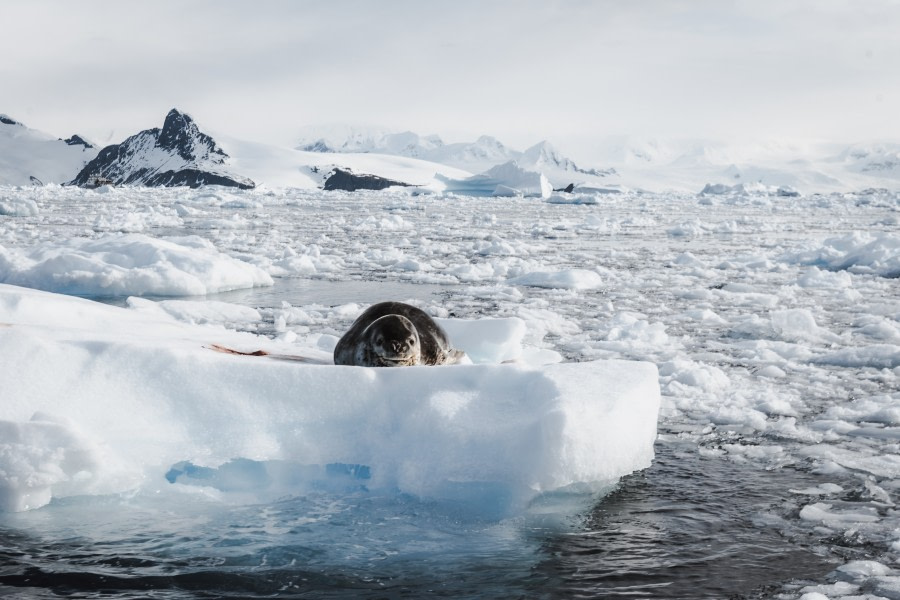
x,y
521,70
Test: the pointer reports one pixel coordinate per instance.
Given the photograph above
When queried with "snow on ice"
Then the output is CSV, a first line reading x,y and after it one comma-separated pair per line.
x,y
134,264
135,392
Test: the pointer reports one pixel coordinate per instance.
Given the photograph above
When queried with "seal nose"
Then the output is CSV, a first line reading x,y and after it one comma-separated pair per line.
x,y
396,346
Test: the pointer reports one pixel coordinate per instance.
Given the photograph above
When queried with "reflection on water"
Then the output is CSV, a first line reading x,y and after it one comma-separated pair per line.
x,y
682,529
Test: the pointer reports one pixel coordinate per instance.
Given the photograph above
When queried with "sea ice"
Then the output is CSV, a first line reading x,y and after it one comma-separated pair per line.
x,y
134,264
146,392
18,207
507,179
569,279
858,252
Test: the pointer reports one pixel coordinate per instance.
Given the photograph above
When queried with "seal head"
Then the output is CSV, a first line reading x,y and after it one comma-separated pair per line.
x,y
394,334
392,342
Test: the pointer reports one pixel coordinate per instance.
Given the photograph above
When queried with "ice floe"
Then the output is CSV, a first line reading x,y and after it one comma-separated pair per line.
x,y
134,392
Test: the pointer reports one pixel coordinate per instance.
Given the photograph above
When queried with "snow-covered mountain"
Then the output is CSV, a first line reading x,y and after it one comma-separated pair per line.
x,y
177,154
479,156
659,164
28,156
882,160
180,154
276,166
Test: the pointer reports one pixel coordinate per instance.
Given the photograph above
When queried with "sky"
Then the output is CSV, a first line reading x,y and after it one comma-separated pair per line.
x,y
574,72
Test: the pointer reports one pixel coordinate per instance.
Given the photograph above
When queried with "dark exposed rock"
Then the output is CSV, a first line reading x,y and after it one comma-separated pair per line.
x,y
317,146
77,140
178,154
7,121
96,182
34,180
192,178
343,179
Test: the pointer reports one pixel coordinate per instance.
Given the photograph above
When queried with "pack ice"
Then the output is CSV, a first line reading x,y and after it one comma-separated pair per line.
x,y
100,400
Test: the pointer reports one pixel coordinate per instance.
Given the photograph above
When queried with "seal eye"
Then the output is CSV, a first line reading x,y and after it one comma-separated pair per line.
x,y
379,340
411,342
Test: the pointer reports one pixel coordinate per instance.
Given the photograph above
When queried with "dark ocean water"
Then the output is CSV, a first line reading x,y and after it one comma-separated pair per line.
x,y
681,529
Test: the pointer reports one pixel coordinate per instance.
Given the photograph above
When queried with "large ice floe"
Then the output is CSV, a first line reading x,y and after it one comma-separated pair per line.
x,y
131,264
108,399
507,179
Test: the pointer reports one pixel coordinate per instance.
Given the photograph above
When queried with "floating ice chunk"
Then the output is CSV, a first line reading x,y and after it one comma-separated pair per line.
x,y
688,229
573,199
838,589
798,324
628,327
823,489
697,375
507,179
884,409
863,461
495,247
705,316
858,252
879,356
38,455
816,278
18,207
600,224
878,328
718,189
149,390
771,372
570,279
823,512
294,265
687,259
383,223
411,264
129,265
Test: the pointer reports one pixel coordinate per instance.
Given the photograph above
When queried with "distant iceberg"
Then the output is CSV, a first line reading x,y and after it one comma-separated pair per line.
x,y
507,179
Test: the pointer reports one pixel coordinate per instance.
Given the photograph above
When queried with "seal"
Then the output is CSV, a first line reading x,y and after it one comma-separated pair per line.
x,y
394,334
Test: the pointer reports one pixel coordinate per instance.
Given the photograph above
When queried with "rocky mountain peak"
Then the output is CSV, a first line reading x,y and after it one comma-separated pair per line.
x,y
177,154
181,135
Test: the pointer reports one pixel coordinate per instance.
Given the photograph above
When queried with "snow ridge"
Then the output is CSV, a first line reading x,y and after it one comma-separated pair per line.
x,y
478,156
31,157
